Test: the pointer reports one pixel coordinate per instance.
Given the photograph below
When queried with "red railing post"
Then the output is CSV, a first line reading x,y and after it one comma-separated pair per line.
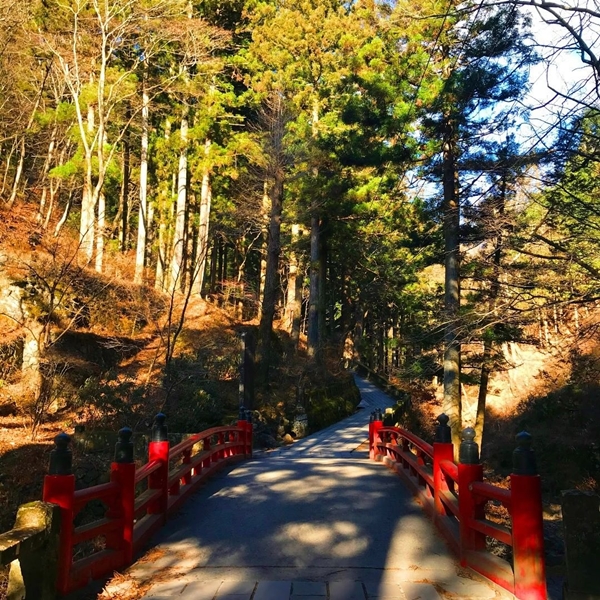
x,y
59,489
377,425
249,434
242,425
469,470
206,447
527,523
158,449
442,450
122,471
187,459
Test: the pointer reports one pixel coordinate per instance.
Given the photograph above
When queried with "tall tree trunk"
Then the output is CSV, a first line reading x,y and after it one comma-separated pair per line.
x,y
17,179
486,366
203,225
293,308
270,289
49,155
143,224
164,204
214,261
266,203
100,232
124,194
177,258
88,197
323,251
102,166
7,166
241,278
87,222
161,259
55,186
313,339
451,211
221,267
65,214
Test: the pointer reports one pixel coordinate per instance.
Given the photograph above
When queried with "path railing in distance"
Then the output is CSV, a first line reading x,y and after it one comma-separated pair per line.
x,y
455,496
137,500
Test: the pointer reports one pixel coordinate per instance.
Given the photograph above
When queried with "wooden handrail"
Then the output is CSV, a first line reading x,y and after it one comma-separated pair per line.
x,y
455,495
133,515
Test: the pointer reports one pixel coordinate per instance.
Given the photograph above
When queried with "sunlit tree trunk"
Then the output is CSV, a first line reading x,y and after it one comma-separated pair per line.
x,y
46,184
486,366
451,214
88,197
264,246
270,290
54,188
143,221
204,221
163,242
177,265
292,309
65,214
100,231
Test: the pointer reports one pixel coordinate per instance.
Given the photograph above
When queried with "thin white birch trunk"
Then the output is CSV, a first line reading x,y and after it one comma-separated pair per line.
x,y
143,224
180,213
203,226
88,199
163,239
100,231
42,207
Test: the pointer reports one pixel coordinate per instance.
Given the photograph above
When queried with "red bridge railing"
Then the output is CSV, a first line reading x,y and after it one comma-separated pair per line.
x,y
138,500
455,496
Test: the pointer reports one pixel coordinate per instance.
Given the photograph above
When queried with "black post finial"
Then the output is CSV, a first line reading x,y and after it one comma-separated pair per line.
x,y
468,453
242,414
378,414
124,447
443,433
61,458
249,416
372,416
159,429
524,457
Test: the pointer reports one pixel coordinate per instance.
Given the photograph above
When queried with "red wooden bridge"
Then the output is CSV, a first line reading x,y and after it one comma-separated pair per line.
x,y
140,500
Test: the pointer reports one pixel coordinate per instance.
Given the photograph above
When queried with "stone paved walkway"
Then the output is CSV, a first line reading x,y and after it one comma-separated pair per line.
x,y
315,520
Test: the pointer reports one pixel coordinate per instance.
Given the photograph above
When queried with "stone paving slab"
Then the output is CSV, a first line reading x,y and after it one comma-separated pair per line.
x,y
292,590
272,590
346,590
309,588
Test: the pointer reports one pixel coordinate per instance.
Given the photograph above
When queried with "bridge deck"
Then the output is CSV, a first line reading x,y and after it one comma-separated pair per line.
x,y
315,520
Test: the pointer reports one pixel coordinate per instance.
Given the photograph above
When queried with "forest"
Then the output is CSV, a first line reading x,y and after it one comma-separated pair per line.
x,y
381,178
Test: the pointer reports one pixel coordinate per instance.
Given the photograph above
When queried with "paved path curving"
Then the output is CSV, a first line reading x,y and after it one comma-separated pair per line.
x,y
315,520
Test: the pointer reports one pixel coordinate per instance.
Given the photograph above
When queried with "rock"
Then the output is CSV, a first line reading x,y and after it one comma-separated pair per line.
x,y
300,425
265,440
288,439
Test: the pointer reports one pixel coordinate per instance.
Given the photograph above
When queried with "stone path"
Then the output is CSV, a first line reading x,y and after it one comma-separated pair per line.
x,y
315,520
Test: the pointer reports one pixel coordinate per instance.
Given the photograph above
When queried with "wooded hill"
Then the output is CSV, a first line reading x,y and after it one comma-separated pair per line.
x,y
355,171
